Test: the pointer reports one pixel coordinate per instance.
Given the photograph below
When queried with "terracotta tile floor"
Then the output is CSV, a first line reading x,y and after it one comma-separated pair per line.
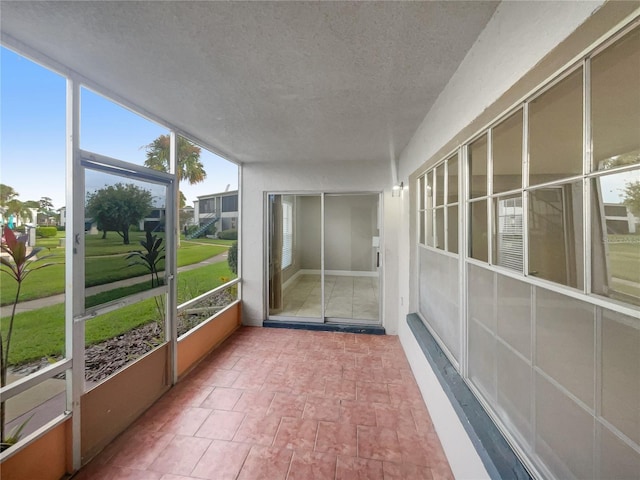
x,y
285,404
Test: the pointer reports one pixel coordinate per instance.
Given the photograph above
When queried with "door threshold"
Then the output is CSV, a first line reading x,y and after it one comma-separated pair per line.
x,y
327,327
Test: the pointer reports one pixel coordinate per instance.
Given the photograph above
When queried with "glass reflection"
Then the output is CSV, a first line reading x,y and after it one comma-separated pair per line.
x,y
615,236
507,241
124,236
452,229
479,234
452,180
429,215
440,228
507,154
478,167
616,118
440,184
555,234
555,131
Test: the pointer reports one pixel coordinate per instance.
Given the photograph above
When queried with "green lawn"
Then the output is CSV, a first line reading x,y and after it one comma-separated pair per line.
x,y
213,241
40,333
99,270
624,261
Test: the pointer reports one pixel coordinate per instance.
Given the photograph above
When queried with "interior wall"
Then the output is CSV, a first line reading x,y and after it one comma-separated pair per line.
x,y
309,232
259,179
349,228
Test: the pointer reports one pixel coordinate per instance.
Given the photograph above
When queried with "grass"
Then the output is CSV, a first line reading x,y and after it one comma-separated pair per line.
x,y
213,241
99,270
625,261
40,333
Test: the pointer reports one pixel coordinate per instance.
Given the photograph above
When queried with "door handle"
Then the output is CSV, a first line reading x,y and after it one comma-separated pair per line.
x,y
377,259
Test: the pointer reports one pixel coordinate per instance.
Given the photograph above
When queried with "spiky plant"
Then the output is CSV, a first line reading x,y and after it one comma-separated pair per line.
x,y
150,258
17,262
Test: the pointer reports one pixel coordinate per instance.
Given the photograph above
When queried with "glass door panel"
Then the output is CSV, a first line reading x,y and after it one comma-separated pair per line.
x,y
351,246
295,257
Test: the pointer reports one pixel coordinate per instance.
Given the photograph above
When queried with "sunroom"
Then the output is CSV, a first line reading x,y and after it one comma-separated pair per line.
x,y
437,193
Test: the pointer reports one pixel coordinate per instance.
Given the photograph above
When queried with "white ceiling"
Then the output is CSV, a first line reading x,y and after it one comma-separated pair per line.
x,y
265,81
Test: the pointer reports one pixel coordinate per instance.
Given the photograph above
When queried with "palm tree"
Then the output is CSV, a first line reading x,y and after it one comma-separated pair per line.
x,y
7,194
189,167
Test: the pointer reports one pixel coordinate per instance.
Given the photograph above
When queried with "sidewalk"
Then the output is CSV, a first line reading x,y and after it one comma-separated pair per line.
x,y
56,299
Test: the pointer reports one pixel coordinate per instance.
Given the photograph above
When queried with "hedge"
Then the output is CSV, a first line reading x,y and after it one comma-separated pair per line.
x,y
46,232
228,235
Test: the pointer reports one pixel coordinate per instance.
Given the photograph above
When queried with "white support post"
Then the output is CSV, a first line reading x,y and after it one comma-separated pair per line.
x,y
240,229
171,257
74,267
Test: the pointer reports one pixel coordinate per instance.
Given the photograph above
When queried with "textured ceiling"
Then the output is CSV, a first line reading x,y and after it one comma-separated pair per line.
x,y
265,81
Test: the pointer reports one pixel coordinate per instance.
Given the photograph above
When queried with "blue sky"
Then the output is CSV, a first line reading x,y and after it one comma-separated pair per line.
x,y
32,134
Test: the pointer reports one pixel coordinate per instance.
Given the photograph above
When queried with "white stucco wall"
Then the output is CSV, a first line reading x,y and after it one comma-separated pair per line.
x,y
344,177
517,37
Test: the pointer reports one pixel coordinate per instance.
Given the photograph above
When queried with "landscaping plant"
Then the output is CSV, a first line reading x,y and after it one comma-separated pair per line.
x,y
150,258
18,263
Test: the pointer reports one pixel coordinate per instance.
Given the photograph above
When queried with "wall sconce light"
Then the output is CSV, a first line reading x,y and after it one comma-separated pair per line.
x,y
397,189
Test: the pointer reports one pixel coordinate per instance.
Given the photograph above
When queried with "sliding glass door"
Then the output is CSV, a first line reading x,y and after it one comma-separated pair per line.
x,y
295,256
323,257
351,240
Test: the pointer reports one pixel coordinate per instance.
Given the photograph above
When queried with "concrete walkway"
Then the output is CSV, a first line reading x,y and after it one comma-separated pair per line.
x,y
56,299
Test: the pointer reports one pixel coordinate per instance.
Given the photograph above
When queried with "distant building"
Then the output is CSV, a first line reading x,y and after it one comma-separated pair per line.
x,y
219,210
619,219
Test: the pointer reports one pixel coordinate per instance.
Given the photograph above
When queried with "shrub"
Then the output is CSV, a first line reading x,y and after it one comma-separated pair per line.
x,y
228,235
61,228
46,232
191,229
232,258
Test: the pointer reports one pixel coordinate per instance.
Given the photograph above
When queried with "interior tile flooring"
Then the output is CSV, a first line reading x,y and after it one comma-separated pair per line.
x,y
349,297
285,404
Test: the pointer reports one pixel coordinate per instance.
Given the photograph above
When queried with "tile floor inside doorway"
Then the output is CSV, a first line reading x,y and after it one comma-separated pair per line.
x,y
345,297
285,404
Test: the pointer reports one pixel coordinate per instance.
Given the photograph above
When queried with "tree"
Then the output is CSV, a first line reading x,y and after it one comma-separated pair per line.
x,y
116,207
7,194
20,210
632,197
189,167
46,204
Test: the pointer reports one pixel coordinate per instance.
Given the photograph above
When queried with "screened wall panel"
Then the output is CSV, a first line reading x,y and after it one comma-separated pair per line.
x,y
565,330
439,305
617,459
482,359
481,296
564,432
514,314
621,373
514,391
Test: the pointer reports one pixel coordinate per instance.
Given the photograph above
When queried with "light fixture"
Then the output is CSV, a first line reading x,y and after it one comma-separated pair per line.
x,y
397,189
